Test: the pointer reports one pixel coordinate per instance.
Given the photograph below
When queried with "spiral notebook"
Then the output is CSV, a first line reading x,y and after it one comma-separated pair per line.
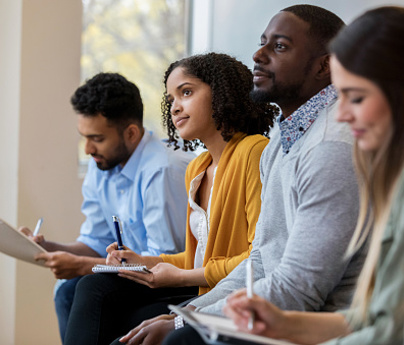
x,y
116,268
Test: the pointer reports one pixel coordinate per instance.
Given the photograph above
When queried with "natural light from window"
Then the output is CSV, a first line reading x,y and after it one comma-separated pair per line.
x,y
138,39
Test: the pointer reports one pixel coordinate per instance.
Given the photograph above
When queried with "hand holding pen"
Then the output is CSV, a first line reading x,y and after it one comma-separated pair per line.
x,y
115,256
118,230
269,320
35,234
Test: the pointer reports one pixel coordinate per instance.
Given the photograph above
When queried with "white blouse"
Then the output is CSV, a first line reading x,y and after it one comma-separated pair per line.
x,y
199,219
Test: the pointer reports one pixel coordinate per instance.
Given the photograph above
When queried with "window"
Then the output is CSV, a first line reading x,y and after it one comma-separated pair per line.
x,y
138,39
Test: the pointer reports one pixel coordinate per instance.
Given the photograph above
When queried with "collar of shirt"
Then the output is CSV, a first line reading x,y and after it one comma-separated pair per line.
x,y
131,165
293,127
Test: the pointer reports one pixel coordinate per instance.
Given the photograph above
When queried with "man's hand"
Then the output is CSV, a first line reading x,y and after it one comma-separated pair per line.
x,y
27,232
150,332
163,275
64,265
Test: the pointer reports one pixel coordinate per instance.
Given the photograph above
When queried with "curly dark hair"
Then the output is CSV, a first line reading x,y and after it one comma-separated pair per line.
x,y
233,110
112,96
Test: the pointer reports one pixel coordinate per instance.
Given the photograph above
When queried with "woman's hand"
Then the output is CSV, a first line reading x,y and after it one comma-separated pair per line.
x,y
162,275
150,332
115,256
269,320
295,326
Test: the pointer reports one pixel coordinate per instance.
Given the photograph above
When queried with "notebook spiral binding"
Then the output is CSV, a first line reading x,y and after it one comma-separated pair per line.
x,y
116,268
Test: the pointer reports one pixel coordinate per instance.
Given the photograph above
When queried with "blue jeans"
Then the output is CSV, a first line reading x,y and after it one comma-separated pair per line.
x,y
63,298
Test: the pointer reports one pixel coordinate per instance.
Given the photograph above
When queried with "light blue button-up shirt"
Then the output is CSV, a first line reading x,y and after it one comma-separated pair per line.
x,y
148,195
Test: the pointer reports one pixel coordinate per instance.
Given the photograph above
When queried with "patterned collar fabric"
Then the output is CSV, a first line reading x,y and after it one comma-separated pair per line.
x,y
293,127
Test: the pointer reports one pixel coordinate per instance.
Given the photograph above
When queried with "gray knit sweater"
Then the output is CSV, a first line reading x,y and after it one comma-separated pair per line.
x,y
308,214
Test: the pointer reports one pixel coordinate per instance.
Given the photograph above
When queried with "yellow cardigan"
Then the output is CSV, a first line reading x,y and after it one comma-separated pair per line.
x,y
235,207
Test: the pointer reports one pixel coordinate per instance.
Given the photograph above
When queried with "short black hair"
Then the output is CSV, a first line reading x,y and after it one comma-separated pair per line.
x,y
233,110
112,96
324,25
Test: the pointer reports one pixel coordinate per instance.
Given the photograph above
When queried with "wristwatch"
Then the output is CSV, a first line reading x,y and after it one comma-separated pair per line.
x,y
178,322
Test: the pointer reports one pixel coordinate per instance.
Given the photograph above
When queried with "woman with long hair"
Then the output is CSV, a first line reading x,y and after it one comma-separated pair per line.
x,y
367,69
207,104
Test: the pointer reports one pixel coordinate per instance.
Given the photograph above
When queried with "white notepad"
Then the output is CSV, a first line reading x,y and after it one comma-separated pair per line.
x,y
116,268
18,245
217,330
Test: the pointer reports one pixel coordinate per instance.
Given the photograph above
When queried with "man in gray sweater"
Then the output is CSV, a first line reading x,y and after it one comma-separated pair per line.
x,y
309,194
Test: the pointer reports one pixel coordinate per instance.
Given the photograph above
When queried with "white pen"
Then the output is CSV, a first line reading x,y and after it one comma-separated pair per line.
x,y
38,226
250,280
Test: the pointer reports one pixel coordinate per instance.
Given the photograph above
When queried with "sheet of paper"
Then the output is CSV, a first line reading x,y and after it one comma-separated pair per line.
x,y
215,329
17,245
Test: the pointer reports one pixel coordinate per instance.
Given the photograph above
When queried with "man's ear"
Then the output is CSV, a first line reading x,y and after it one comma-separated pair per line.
x,y
324,71
133,133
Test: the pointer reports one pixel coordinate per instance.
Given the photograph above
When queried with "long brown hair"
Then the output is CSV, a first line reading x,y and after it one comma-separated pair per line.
x,y
372,47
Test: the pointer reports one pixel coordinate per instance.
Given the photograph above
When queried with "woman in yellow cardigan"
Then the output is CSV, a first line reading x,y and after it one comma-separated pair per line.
x,y
235,206
206,103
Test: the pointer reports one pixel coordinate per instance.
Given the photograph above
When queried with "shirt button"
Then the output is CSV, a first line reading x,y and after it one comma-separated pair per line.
x,y
301,129
122,191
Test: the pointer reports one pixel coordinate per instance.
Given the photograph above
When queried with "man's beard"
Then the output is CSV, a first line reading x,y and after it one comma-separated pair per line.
x,y
279,94
121,155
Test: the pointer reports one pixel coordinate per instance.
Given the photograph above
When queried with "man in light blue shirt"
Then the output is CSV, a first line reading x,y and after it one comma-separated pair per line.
x,y
147,193
133,175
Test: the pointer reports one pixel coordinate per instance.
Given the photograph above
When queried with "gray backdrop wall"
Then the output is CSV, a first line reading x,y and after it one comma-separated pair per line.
x,y
235,26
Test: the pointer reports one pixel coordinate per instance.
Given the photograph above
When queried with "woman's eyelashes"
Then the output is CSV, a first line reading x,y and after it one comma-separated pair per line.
x,y
352,97
186,92
357,100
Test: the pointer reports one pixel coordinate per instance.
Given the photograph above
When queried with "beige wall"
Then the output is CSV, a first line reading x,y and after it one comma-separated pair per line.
x,y
10,34
40,69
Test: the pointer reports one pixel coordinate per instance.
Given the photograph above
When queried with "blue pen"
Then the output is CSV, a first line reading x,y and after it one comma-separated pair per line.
x,y
118,231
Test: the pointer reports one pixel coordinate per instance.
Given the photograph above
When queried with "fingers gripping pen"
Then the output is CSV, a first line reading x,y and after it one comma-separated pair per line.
x,y
118,231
